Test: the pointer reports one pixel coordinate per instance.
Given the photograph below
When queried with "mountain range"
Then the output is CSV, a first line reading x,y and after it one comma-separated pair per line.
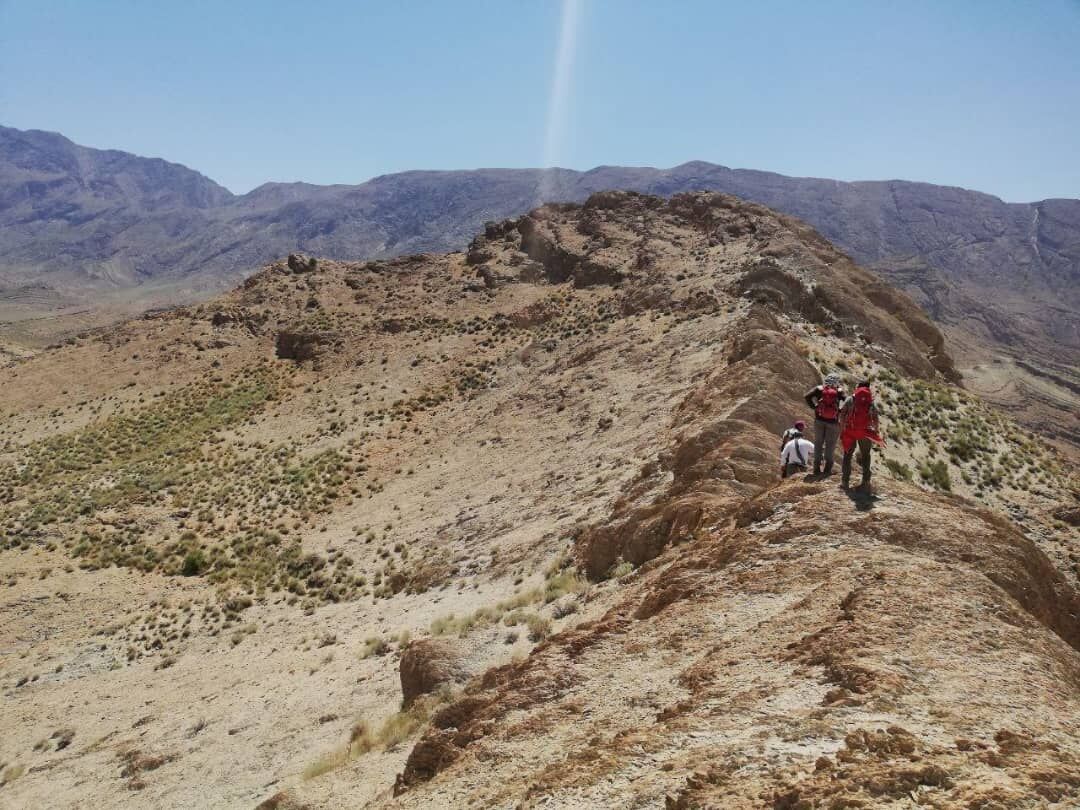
x,y
81,226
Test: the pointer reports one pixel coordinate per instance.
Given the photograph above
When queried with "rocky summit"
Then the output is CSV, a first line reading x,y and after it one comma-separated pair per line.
x,y
505,528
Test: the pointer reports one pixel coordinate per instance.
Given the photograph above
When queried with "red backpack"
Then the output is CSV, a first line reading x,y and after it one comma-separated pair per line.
x,y
860,418
828,407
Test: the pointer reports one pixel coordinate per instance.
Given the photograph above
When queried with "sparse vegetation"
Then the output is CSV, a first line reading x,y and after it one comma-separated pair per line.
x,y
561,579
135,763
899,469
936,473
384,736
232,500
10,773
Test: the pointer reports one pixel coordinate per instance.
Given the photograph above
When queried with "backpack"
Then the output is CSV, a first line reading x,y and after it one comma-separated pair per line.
x,y
860,419
786,437
828,406
798,451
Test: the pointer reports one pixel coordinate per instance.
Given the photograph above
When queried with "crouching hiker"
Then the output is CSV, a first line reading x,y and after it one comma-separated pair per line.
x,y
860,428
826,400
795,455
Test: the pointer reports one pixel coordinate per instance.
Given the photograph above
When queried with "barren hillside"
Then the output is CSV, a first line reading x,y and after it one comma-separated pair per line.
x,y
534,485
89,237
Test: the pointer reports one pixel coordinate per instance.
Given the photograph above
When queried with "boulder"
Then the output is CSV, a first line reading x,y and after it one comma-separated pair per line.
x,y
426,665
1068,514
300,263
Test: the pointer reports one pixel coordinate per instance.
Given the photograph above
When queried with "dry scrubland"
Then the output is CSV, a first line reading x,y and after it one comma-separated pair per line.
x,y
538,479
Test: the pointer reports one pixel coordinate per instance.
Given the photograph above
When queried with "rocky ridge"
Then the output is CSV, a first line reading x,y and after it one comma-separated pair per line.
x,y
555,454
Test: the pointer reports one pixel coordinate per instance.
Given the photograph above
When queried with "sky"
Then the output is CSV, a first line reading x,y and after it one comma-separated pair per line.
x,y
983,94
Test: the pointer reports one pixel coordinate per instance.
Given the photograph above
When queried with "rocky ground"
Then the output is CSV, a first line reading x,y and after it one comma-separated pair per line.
x,y
532,486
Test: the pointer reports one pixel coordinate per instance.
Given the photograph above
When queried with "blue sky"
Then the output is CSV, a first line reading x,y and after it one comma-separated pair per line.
x,y
981,94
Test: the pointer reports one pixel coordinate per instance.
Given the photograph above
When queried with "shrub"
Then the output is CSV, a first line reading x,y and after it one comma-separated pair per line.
x,y
936,473
899,469
194,564
539,627
374,646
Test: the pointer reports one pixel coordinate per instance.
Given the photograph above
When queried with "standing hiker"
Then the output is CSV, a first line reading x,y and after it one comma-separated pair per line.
x,y
798,429
826,400
795,455
860,428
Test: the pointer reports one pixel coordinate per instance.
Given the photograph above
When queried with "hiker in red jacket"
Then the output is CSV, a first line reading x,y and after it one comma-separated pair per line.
x,y
859,427
826,400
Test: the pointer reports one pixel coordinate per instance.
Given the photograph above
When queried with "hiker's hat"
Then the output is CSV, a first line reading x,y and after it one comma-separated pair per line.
x,y
832,379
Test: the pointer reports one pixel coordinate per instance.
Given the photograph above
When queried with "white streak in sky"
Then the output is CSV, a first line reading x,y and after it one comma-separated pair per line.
x,y
560,95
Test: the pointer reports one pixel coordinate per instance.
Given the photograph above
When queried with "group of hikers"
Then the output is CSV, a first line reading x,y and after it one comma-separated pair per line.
x,y
851,419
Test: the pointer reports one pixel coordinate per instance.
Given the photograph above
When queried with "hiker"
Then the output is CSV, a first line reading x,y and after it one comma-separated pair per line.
x,y
798,429
859,418
826,400
795,455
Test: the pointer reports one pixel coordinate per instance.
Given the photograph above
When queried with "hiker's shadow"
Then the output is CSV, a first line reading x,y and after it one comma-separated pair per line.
x,y
863,499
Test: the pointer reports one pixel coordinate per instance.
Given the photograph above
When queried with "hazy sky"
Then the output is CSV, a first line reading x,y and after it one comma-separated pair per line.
x,y
980,94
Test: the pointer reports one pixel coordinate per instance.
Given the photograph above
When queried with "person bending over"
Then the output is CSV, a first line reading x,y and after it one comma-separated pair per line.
x,y
795,456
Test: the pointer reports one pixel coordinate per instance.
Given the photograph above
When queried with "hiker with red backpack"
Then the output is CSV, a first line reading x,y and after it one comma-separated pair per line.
x,y
826,400
859,418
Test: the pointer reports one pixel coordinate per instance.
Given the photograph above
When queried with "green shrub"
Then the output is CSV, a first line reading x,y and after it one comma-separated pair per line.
x,y
936,473
899,469
194,564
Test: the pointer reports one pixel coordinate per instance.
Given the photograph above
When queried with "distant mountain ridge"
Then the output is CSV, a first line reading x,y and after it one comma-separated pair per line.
x,y
56,194
1001,277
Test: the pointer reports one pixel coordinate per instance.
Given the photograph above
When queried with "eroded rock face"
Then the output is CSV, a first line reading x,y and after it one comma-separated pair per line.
x,y
304,344
428,664
239,316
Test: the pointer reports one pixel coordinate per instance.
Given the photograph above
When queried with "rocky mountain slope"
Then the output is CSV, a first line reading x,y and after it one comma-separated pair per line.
x,y
503,528
123,233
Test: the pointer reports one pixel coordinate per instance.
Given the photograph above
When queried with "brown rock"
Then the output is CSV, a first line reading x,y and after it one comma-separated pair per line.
x,y
426,665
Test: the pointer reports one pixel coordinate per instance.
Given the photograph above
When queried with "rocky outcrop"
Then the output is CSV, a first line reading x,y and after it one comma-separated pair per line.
x,y
299,263
301,344
239,316
426,665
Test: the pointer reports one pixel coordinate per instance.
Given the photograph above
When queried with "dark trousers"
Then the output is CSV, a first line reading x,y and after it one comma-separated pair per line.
x,y
793,468
864,460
